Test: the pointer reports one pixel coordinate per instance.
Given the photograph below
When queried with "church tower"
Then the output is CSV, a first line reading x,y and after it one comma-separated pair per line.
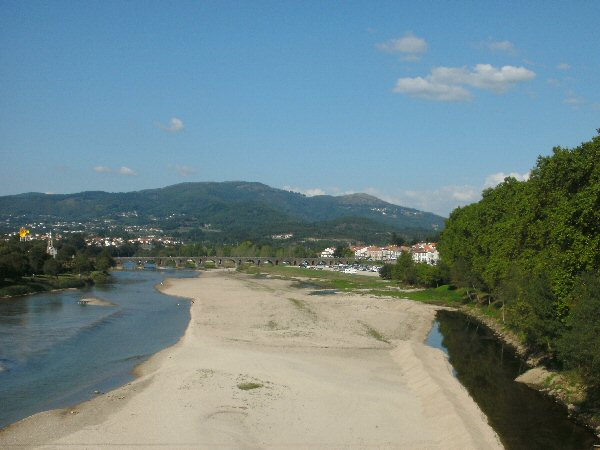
x,y
50,248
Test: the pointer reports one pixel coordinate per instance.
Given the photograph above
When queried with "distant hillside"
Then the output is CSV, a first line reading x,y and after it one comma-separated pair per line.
x,y
232,207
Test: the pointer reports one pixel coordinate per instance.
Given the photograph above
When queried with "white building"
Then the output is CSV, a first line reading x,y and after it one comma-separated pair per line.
x,y
50,249
328,252
374,253
425,253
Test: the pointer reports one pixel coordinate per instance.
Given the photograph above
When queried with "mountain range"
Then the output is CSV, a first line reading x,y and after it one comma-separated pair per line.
x,y
243,210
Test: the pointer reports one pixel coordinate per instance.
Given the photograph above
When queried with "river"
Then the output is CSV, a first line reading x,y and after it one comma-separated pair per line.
x,y
55,351
523,418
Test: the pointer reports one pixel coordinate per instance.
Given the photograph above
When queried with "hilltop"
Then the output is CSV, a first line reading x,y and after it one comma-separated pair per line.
x,y
242,210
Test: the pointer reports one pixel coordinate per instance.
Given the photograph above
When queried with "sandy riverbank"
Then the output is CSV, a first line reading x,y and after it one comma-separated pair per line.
x,y
337,371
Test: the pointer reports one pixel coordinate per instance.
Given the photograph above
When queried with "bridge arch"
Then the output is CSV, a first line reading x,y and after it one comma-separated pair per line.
x,y
226,261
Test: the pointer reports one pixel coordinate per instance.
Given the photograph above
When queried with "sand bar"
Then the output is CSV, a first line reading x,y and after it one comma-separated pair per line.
x,y
263,365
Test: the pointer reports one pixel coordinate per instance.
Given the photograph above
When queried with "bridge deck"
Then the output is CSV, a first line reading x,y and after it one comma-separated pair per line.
x,y
222,261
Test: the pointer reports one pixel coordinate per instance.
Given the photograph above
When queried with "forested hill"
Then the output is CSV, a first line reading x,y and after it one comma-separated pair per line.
x,y
228,206
534,248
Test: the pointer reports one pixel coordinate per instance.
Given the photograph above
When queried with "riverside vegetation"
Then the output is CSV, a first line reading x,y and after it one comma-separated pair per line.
x,y
526,260
528,256
530,252
25,267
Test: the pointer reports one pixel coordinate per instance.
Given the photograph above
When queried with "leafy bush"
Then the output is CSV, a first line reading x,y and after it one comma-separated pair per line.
x,y
386,271
15,290
69,283
100,277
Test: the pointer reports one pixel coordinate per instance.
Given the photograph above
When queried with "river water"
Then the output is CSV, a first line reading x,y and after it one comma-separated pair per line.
x,y
523,418
56,352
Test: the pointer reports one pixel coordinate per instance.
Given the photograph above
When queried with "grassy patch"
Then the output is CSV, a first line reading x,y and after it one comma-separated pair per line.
x,y
42,283
568,385
290,272
324,279
69,283
100,277
302,306
492,311
374,333
249,386
444,295
20,289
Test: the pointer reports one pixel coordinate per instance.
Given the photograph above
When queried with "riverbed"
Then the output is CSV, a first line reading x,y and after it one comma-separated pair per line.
x,y
56,350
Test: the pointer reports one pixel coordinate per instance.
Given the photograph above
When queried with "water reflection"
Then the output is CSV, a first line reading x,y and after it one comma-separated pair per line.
x,y
522,417
323,292
13,310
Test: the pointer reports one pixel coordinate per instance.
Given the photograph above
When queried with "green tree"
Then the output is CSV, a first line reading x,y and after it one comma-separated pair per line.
x,y
548,226
385,271
430,275
397,239
579,346
52,267
405,270
13,261
76,240
11,266
536,314
341,251
104,261
66,252
36,256
82,263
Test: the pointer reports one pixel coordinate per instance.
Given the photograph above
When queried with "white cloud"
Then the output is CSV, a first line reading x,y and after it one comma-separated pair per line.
x,y
442,200
463,194
102,169
553,82
126,171
410,46
574,100
448,83
183,171
308,192
439,201
445,199
484,76
564,66
431,89
495,179
503,46
175,125
453,195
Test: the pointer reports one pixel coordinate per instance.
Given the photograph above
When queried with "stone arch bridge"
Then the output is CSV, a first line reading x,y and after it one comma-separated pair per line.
x,y
226,261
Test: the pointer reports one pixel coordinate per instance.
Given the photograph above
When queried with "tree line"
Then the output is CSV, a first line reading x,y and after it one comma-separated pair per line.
x,y
20,259
406,271
531,249
246,248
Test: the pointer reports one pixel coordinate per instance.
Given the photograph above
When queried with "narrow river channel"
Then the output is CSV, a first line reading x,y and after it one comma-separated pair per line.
x,y
523,418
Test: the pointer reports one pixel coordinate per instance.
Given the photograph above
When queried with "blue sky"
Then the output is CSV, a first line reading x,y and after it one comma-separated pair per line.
x,y
419,103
